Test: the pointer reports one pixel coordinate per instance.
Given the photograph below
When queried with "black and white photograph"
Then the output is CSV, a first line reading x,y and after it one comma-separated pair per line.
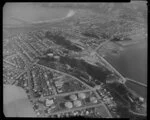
x,y
75,59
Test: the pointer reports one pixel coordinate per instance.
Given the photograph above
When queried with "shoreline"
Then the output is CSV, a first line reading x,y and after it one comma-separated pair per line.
x,y
138,90
69,14
126,44
109,57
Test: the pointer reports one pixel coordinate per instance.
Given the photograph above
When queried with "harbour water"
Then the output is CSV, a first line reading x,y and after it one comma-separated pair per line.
x,y
16,103
132,63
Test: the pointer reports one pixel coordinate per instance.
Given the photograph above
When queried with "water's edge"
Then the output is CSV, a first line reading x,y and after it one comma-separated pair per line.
x,y
132,63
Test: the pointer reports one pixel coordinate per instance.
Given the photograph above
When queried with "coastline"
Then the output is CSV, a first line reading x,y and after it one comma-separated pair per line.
x,y
137,89
69,14
130,64
126,44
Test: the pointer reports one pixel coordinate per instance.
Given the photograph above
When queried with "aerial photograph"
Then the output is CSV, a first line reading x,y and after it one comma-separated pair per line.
x,y
75,59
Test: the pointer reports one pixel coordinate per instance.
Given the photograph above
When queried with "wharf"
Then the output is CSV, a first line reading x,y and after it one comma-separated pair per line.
x,y
136,82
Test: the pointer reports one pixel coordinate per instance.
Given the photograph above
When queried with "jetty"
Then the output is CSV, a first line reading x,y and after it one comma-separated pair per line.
x,y
123,80
136,82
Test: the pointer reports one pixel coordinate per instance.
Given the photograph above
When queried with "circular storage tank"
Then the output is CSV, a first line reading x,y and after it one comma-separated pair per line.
x,y
82,95
68,104
73,97
77,103
93,99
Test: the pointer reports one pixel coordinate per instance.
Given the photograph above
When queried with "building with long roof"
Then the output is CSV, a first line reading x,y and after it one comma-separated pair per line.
x,y
49,102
